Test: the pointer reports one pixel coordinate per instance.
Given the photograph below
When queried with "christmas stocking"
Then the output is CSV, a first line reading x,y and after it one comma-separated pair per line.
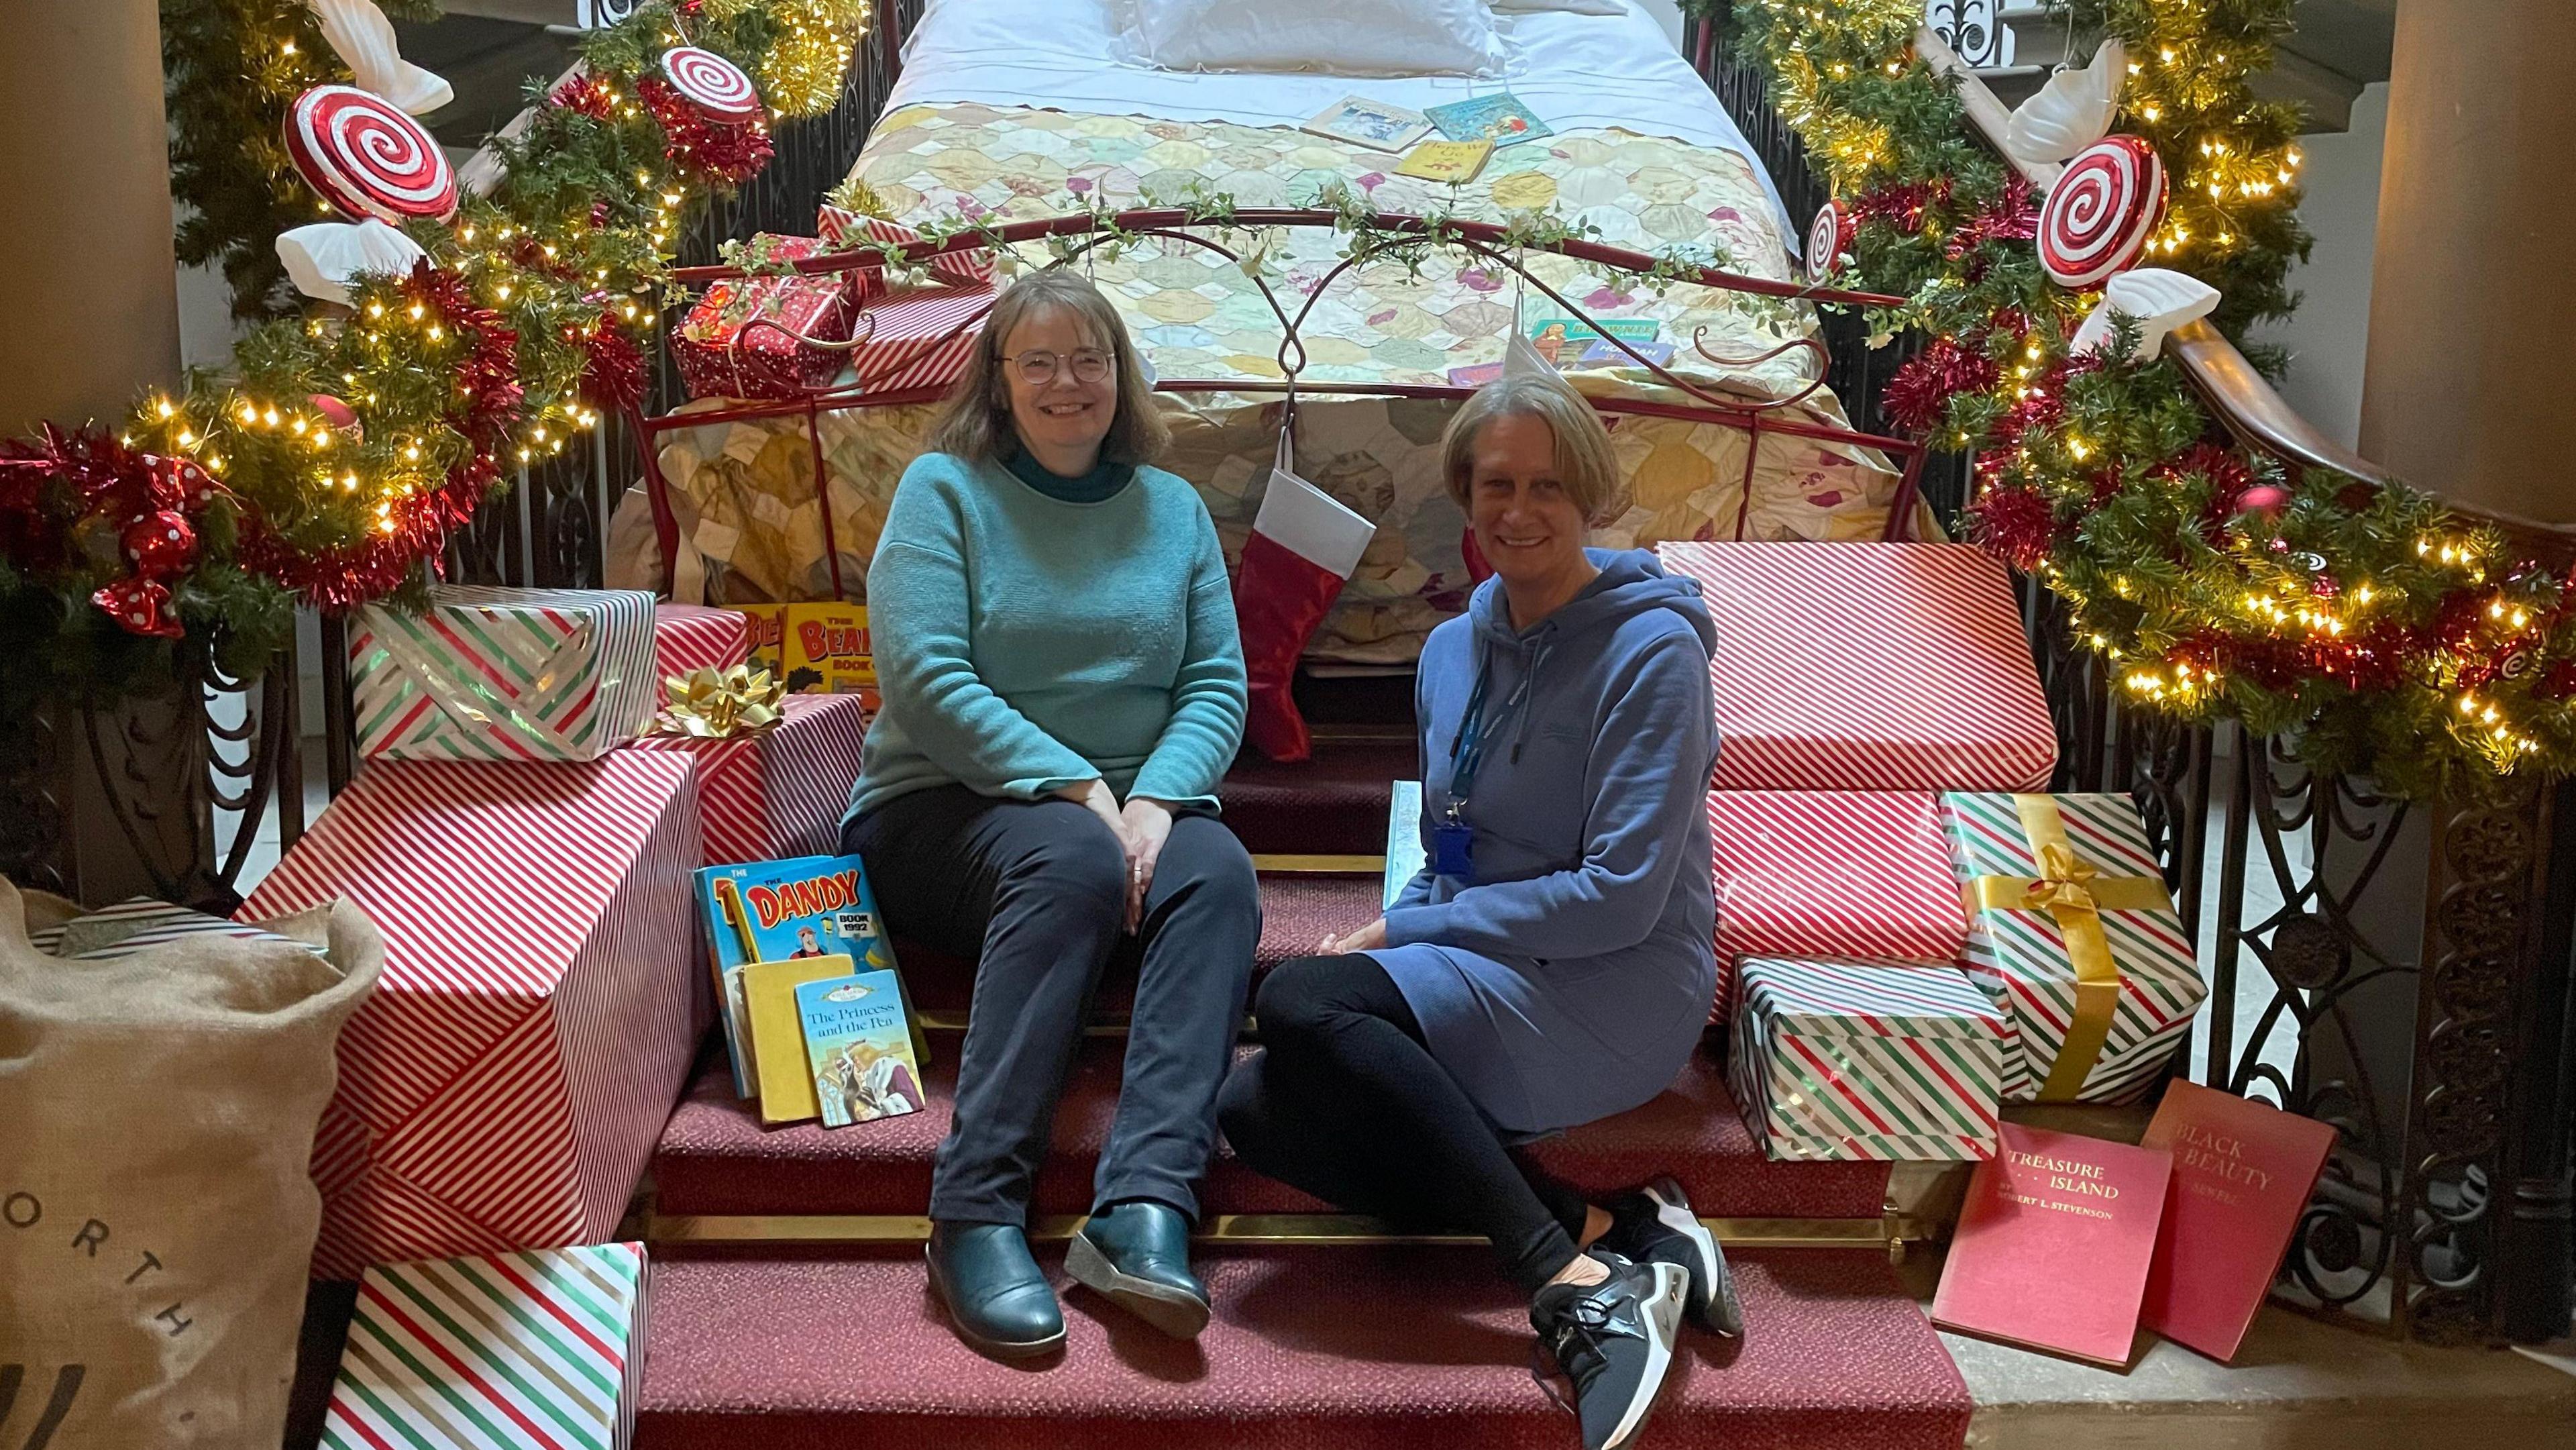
x,y
1304,544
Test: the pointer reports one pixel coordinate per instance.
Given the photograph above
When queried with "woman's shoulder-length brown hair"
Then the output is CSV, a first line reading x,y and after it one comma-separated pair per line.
x,y
975,422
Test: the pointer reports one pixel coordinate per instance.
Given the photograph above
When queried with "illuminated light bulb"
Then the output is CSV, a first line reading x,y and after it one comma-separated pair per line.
x,y
505,291
2365,594
523,455
187,439
298,425
375,309
2496,610
466,236
416,311
2468,704
287,49
164,407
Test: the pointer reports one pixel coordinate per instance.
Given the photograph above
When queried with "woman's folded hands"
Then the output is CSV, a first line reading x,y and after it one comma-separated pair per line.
x,y
1141,827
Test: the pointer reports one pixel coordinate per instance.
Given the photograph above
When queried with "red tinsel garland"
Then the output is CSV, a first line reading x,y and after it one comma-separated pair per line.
x,y
723,155
614,380
1919,394
2019,524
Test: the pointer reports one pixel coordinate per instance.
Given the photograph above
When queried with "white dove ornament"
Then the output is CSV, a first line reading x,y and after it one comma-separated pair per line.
x,y
2071,112
2160,299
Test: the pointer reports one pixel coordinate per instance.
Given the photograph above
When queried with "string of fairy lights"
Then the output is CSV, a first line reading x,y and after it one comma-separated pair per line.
x,y
2379,631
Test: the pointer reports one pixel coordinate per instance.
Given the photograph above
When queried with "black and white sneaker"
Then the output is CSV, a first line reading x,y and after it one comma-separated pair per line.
x,y
1655,1225
1614,1341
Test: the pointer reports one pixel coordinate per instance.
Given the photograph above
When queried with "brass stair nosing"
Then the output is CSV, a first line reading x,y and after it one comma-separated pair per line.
x,y
1888,1232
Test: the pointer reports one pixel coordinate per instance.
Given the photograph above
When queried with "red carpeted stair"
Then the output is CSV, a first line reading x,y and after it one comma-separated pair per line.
x,y
715,1157
1347,1348
1332,805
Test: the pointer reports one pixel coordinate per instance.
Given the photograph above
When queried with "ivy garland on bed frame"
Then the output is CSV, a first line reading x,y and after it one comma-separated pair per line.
x,y
2384,633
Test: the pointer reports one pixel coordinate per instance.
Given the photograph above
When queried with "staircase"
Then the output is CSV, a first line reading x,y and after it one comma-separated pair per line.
x,y
789,1305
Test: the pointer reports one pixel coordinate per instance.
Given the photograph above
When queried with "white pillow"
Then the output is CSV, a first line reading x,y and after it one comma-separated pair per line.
x,y
1336,37
1570,7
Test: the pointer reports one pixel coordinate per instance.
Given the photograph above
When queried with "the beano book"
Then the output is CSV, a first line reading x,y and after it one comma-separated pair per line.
x,y
858,1045
775,911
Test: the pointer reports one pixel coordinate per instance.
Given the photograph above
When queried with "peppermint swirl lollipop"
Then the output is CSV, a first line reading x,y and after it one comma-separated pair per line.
x,y
1828,237
367,158
2098,216
712,83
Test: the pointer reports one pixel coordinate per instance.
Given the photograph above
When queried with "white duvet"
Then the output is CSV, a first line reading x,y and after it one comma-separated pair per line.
x,y
1572,70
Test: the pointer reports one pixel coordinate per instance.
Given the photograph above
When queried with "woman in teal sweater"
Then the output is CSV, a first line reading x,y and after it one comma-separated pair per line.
x,y
1063,688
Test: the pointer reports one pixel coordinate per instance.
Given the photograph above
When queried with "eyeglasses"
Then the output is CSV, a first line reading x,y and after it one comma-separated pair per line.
x,y
1037,367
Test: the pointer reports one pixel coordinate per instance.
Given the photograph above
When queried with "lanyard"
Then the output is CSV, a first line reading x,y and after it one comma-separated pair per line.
x,y
1467,750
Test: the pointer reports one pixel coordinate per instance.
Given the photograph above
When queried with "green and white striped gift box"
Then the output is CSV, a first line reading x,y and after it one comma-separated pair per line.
x,y
527,1351
1836,1058
504,674
2021,957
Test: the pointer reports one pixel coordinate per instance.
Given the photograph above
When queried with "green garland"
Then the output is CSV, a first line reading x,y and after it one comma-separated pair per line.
x,y
349,444
2381,632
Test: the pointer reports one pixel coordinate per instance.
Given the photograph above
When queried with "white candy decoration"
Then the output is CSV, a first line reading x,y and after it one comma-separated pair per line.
x,y
2161,300
365,41
2071,112
324,258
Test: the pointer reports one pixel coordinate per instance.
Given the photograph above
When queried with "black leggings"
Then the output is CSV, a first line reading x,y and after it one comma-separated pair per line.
x,y
1346,1103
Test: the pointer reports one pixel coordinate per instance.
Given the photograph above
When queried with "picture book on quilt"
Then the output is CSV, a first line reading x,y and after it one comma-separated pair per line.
x,y
1376,125
1451,163
1500,118
2053,1244
806,907
2241,1177
858,1048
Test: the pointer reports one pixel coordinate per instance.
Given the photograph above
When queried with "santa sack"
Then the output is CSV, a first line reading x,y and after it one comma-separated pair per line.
x,y
156,1212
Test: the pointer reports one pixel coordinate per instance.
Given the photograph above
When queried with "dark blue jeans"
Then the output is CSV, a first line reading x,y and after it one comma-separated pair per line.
x,y
1036,892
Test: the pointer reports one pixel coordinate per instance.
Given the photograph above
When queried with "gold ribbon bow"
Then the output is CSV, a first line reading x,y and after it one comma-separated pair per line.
x,y
719,704
2076,894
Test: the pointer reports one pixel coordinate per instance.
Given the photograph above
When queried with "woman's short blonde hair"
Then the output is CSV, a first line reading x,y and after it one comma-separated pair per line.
x,y
1584,463
975,422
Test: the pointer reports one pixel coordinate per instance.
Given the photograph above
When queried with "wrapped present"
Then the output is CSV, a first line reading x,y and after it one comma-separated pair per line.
x,y
1854,666
1839,1059
972,267
1832,874
768,794
770,336
2072,930
917,338
541,999
690,637
531,1349
504,674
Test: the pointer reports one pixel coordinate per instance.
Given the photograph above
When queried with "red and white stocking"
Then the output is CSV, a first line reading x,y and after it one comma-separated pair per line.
x,y
1304,546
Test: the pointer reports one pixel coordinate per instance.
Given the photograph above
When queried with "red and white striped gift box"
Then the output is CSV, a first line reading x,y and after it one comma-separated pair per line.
x,y
1833,874
779,793
1858,666
919,337
972,267
542,996
696,637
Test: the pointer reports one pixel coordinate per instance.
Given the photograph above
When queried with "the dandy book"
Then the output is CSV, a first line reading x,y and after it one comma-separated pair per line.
x,y
2242,1175
858,1045
2053,1244
775,911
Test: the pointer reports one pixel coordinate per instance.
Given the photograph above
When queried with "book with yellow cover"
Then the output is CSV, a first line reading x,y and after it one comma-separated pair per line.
x,y
778,1063
1450,162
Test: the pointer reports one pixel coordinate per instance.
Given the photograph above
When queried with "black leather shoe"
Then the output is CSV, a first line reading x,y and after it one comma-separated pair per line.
x,y
1138,1256
997,1299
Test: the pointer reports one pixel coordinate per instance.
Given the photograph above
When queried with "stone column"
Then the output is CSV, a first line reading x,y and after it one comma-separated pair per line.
x,y
2470,320
85,251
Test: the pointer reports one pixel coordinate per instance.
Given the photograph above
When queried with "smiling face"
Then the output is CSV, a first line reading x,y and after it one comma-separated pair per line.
x,y
1062,420
1525,522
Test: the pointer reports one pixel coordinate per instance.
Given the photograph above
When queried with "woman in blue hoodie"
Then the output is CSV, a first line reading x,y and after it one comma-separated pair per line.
x,y
1554,961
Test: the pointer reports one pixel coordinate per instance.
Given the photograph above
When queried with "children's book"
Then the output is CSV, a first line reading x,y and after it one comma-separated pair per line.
x,y
778,1068
1373,124
1501,119
1403,838
858,1046
761,911
1452,162
2053,1244
2242,1175
1601,352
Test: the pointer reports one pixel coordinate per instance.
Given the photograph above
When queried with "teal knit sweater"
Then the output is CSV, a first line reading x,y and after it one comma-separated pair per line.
x,y
1025,643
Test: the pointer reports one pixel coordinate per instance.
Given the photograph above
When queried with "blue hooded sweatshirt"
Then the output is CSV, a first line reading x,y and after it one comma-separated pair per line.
x,y
1567,977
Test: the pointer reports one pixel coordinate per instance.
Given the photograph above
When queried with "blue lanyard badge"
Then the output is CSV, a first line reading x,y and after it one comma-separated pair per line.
x,y
1451,836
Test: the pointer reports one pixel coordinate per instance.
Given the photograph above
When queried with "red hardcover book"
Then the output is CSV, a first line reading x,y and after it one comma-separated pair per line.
x,y
2242,1174
2053,1244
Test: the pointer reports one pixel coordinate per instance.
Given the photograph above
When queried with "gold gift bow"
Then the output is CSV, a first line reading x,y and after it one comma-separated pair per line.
x,y
2069,889
711,704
